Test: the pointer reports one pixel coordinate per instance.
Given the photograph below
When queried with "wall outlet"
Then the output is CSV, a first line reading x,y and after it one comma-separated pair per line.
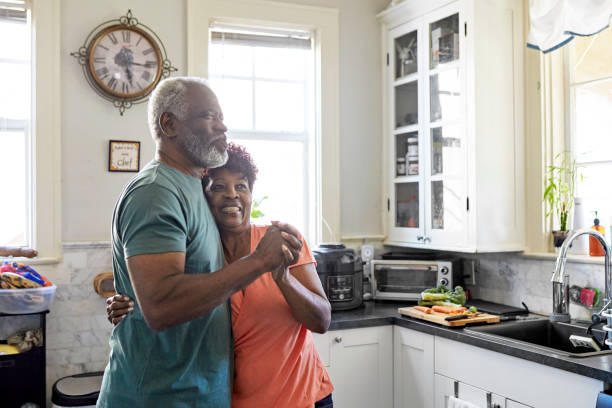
x,y
367,253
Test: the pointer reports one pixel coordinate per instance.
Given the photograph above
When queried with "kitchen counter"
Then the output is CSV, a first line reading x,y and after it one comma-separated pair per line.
x,y
385,313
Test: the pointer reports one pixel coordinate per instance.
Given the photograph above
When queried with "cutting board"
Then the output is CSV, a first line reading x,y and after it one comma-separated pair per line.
x,y
437,317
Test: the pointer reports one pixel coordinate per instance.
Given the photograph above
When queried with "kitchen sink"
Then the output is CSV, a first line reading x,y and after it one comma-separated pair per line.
x,y
542,333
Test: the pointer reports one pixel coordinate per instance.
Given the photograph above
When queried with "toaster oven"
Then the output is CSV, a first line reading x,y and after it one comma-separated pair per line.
x,y
406,279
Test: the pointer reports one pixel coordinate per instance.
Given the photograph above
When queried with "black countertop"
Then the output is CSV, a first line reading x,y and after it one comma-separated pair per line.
x,y
385,313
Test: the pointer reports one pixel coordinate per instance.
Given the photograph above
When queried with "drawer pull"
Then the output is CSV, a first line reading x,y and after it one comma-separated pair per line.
x,y
338,339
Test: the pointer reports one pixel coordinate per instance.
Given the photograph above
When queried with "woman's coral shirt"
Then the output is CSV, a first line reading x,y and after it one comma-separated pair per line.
x,y
276,363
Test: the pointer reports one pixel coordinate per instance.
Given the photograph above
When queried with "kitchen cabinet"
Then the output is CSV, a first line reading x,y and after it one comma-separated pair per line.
x,y
413,368
453,124
446,387
360,364
511,382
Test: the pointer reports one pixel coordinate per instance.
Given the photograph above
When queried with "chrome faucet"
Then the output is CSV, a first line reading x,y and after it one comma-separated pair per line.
x,y
560,280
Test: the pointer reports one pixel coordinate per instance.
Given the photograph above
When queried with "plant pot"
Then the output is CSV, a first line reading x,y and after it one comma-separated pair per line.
x,y
559,237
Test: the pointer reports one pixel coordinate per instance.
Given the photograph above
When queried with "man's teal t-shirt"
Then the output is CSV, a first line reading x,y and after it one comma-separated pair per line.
x,y
188,365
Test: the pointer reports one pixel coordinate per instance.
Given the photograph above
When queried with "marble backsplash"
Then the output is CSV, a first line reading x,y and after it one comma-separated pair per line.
x,y
512,279
78,332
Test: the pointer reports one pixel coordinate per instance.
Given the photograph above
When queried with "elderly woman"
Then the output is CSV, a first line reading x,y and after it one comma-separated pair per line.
x,y
276,363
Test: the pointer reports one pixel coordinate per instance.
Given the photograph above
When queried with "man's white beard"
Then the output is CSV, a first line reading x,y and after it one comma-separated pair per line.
x,y
214,158
202,155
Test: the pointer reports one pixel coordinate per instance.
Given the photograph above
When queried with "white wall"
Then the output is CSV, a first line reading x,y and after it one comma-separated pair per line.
x,y
89,191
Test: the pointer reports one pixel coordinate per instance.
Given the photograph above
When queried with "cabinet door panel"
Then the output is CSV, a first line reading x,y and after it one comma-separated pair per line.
x,y
413,363
361,367
406,168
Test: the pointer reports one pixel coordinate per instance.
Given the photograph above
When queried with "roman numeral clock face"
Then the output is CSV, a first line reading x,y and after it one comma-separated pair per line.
x,y
125,62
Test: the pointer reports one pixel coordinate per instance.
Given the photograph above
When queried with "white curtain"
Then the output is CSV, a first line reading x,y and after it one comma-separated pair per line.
x,y
554,23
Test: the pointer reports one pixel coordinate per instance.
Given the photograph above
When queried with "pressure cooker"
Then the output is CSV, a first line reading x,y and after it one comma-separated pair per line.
x,y
341,273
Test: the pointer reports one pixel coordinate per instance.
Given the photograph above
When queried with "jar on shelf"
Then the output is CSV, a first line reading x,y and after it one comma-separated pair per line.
x,y
412,164
412,146
401,166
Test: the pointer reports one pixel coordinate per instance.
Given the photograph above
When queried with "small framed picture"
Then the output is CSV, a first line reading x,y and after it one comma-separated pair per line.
x,y
123,155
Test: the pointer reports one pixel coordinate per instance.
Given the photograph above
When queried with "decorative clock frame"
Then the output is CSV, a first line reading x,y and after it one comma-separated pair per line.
x,y
126,98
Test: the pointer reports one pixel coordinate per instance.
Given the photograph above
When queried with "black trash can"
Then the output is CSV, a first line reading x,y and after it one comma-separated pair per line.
x,y
80,390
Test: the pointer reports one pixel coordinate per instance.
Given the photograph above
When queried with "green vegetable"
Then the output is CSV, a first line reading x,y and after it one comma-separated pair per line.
x,y
472,309
442,296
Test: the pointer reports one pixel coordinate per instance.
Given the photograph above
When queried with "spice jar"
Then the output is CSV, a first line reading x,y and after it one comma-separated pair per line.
x,y
401,166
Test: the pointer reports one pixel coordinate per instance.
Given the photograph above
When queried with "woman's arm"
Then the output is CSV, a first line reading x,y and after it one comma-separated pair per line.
x,y
303,292
118,306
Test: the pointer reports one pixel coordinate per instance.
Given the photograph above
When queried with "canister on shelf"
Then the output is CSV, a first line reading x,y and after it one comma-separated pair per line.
x,y
412,146
412,164
401,166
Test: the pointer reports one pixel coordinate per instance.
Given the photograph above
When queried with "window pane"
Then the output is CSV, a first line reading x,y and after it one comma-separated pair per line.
x,y
14,81
14,40
236,100
281,178
279,106
407,205
406,61
280,63
14,207
445,94
593,104
444,41
230,60
592,56
406,104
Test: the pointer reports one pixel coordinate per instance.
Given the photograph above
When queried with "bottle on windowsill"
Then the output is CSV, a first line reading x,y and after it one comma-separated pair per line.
x,y
595,247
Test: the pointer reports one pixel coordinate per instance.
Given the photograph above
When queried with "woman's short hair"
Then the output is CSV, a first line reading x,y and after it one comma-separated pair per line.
x,y
239,161
170,95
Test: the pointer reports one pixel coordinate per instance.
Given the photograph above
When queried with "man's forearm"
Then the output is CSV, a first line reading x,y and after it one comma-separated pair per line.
x,y
180,297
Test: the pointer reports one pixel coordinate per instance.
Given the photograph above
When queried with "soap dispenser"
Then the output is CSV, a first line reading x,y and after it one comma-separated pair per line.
x,y
595,247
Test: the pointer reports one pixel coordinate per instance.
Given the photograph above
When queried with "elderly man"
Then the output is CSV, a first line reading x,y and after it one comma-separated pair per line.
x,y
175,348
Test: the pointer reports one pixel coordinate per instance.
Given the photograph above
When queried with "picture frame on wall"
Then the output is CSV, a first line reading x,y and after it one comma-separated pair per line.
x,y
124,156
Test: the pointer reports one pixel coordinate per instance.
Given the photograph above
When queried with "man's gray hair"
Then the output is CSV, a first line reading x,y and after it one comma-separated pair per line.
x,y
170,95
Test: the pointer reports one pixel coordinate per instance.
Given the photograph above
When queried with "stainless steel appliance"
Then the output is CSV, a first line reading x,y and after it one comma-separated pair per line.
x,y
341,272
406,279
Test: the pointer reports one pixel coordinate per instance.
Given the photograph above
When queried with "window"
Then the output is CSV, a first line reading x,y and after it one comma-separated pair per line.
x,y
30,123
590,95
323,24
264,81
15,129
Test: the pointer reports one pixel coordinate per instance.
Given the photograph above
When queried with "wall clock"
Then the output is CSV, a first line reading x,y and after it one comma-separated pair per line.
x,y
123,60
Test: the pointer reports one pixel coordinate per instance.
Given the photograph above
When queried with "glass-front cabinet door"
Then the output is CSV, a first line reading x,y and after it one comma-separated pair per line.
x,y
406,203
446,203
427,191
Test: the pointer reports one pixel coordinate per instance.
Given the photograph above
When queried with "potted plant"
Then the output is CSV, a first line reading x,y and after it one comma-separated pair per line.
x,y
559,193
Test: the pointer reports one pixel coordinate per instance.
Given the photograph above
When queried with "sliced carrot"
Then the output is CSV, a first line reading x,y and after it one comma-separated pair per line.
x,y
423,309
448,309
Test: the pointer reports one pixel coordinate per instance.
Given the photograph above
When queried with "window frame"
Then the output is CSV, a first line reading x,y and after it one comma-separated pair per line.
x,y
305,137
45,125
323,22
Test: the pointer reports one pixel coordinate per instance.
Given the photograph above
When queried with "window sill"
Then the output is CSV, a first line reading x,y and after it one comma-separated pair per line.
x,y
552,256
33,261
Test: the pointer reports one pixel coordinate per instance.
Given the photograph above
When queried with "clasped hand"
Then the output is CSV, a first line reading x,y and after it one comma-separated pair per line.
x,y
279,248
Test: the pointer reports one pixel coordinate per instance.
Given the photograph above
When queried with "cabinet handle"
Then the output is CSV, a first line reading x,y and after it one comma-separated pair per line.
x,y
419,237
426,239
338,339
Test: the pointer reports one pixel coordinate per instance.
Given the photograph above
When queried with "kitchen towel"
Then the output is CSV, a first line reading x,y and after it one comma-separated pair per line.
x,y
604,401
459,403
